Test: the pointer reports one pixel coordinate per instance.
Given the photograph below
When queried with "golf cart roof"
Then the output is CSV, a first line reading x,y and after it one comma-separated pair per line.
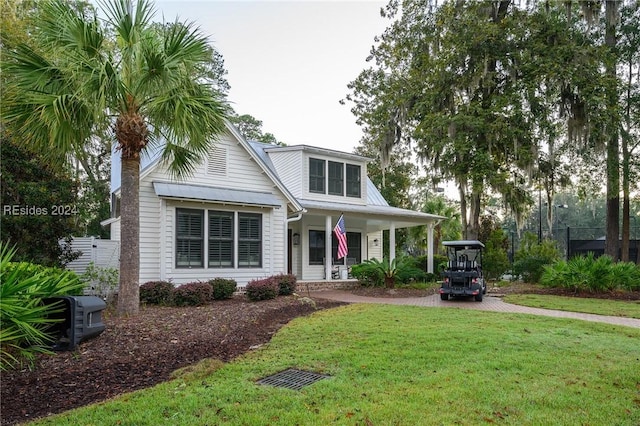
x,y
469,244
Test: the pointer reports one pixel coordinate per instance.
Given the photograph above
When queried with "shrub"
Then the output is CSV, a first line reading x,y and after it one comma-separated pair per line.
x,y
192,294
286,284
587,273
24,317
101,282
409,269
495,261
367,275
262,289
223,288
157,293
627,275
531,257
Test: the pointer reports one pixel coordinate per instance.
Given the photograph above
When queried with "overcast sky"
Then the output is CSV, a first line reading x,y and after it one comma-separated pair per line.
x,y
289,62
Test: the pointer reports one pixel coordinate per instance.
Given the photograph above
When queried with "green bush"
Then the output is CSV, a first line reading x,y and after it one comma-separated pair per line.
x,y
495,261
262,289
24,317
223,288
410,269
438,261
192,294
286,284
587,273
627,275
531,257
157,293
101,282
368,275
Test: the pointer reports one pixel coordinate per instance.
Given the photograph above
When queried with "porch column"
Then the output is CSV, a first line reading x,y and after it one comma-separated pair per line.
x,y
392,242
430,228
327,248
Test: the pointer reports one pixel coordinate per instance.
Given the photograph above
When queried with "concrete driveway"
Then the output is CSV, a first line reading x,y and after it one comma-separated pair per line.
x,y
490,303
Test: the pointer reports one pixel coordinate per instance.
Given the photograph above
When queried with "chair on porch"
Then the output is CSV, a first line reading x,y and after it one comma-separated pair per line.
x,y
335,268
350,262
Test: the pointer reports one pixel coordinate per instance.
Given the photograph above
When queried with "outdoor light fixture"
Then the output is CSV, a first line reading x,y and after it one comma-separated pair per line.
x,y
376,242
296,239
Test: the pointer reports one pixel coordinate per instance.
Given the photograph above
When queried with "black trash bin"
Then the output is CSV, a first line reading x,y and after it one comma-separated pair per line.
x,y
80,319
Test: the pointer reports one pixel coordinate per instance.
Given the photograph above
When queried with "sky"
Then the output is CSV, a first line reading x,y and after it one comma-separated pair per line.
x,y
289,62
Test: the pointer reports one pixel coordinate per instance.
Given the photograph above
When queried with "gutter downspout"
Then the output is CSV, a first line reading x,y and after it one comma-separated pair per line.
x,y
297,216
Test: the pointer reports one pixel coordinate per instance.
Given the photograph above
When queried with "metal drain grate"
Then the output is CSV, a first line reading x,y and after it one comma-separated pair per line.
x,y
292,379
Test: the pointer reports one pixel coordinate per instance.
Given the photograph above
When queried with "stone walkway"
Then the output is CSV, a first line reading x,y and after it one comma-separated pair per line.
x,y
490,303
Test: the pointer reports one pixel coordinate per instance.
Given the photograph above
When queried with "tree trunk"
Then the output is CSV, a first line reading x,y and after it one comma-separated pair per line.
x,y
474,220
626,210
463,209
613,155
129,291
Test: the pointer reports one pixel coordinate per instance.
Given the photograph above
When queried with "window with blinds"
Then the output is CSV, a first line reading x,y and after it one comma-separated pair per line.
x,y
220,239
249,240
189,238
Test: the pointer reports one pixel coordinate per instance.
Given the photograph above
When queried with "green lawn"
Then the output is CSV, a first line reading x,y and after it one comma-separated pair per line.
x,y
401,365
615,308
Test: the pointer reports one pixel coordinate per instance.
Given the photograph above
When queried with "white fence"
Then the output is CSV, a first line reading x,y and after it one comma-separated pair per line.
x,y
103,254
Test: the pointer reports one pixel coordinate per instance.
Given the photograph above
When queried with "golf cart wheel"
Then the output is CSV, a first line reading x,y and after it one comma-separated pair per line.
x,y
444,296
478,297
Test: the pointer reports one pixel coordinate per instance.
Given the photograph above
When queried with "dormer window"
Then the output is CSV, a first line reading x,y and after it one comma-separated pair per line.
x,y
336,178
353,180
316,175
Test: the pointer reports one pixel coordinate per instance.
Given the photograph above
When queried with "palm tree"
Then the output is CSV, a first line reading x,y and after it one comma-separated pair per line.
x,y
147,85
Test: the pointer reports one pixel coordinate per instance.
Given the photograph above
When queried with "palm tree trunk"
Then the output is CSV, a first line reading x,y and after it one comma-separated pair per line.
x,y
129,291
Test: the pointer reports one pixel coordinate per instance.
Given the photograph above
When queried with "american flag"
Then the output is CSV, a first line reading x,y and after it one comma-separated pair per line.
x,y
341,235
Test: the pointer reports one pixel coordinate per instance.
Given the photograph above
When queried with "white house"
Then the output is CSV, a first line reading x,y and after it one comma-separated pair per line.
x,y
252,210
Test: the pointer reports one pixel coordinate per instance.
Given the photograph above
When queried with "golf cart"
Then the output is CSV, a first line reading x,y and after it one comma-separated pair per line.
x,y
463,273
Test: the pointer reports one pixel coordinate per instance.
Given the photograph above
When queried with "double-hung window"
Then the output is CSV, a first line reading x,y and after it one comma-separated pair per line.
x,y
189,238
336,178
220,239
316,175
249,240
353,180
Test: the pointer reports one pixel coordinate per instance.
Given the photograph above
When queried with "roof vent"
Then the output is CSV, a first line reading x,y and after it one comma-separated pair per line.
x,y
217,161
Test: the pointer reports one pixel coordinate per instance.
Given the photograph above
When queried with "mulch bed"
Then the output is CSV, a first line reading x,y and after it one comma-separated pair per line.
x,y
139,352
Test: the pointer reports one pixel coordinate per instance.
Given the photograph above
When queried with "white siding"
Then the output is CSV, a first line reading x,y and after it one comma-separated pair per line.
x,y
115,230
373,249
290,170
158,219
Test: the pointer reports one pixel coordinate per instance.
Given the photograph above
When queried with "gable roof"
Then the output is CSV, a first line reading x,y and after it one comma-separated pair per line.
x,y
152,157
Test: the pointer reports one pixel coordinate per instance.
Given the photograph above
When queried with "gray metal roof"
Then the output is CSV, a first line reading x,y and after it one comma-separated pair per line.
x,y
210,193
401,217
470,243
